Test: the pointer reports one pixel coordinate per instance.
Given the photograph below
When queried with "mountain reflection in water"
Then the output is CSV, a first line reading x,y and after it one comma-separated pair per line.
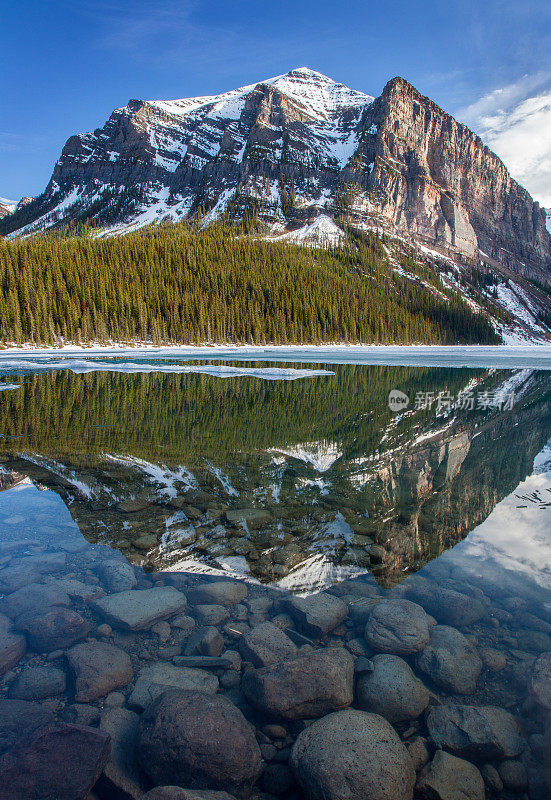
x,y
305,481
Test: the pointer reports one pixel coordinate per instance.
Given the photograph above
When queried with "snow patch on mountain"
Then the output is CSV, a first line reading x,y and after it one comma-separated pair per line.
x,y
322,231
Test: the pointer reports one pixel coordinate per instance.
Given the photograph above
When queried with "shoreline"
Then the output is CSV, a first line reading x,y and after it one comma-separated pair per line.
x,y
534,356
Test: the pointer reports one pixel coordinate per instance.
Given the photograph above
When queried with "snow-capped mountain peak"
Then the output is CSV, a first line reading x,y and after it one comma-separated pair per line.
x,y
298,151
319,96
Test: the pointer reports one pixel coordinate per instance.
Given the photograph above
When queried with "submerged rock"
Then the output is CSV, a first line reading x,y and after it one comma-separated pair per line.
x,y
392,690
12,649
198,740
177,793
308,686
479,733
56,760
55,629
318,614
450,660
450,778
34,597
120,776
116,575
18,718
36,683
157,678
352,754
224,593
266,644
447,606
397,626
540,681
139,609
98,668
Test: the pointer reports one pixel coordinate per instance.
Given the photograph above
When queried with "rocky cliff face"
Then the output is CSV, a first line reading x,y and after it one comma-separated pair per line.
x,y
292,149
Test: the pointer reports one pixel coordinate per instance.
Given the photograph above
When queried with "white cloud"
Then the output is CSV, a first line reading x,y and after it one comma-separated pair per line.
x,y
515,122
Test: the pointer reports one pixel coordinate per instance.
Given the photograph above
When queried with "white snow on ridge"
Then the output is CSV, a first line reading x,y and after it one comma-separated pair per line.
x,y
8,204
316,94
322,231
508,297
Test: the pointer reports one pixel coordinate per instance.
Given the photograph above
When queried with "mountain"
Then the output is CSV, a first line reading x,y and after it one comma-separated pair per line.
x,y
291,149
6,207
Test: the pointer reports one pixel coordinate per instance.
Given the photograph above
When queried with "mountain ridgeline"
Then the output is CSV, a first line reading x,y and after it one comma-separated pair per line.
x,y
291,149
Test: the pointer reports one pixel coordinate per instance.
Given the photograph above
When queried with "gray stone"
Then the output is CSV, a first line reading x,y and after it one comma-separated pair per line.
x,y
318,614
98,668
491,778
224,593
418,750
18,718
277,779
138,609
12,649
478,733
265,644
446,605
55,629
211,614
540,681
55,761
120,776
200,740
350,755
16,575
450,660
36,683
81,714
450,778
116,576
177,793
35,596
205,641
304,687
84,592
154,680
513,774
203,662
399,627
392,690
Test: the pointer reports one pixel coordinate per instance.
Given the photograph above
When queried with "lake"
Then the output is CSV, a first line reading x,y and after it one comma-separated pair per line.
x,y
304,546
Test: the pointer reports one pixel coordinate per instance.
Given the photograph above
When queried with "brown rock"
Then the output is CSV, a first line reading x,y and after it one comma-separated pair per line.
x,y
308,686
200,740
54,761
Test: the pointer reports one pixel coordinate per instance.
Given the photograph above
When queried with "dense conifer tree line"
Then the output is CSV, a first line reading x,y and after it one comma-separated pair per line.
x,y
173,284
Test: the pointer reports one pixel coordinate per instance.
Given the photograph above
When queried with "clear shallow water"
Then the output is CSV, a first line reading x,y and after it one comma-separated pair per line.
x,y
286,485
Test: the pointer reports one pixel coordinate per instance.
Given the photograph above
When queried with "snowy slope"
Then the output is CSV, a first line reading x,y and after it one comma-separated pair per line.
x,y
7,206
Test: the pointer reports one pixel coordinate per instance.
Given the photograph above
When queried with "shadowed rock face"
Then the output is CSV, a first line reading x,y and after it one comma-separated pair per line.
x,y
293,148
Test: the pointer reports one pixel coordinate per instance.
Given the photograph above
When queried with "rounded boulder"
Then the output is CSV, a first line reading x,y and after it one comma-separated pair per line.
x,y
399,627
352,754
392,690
198,741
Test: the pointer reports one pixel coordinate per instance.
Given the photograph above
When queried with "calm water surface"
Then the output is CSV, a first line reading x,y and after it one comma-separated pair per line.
x,y
289,479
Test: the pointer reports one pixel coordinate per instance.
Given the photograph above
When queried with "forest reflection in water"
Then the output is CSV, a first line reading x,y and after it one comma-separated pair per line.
x,y
301,481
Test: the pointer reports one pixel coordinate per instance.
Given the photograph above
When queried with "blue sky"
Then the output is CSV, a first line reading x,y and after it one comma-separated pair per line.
x,y
66,63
